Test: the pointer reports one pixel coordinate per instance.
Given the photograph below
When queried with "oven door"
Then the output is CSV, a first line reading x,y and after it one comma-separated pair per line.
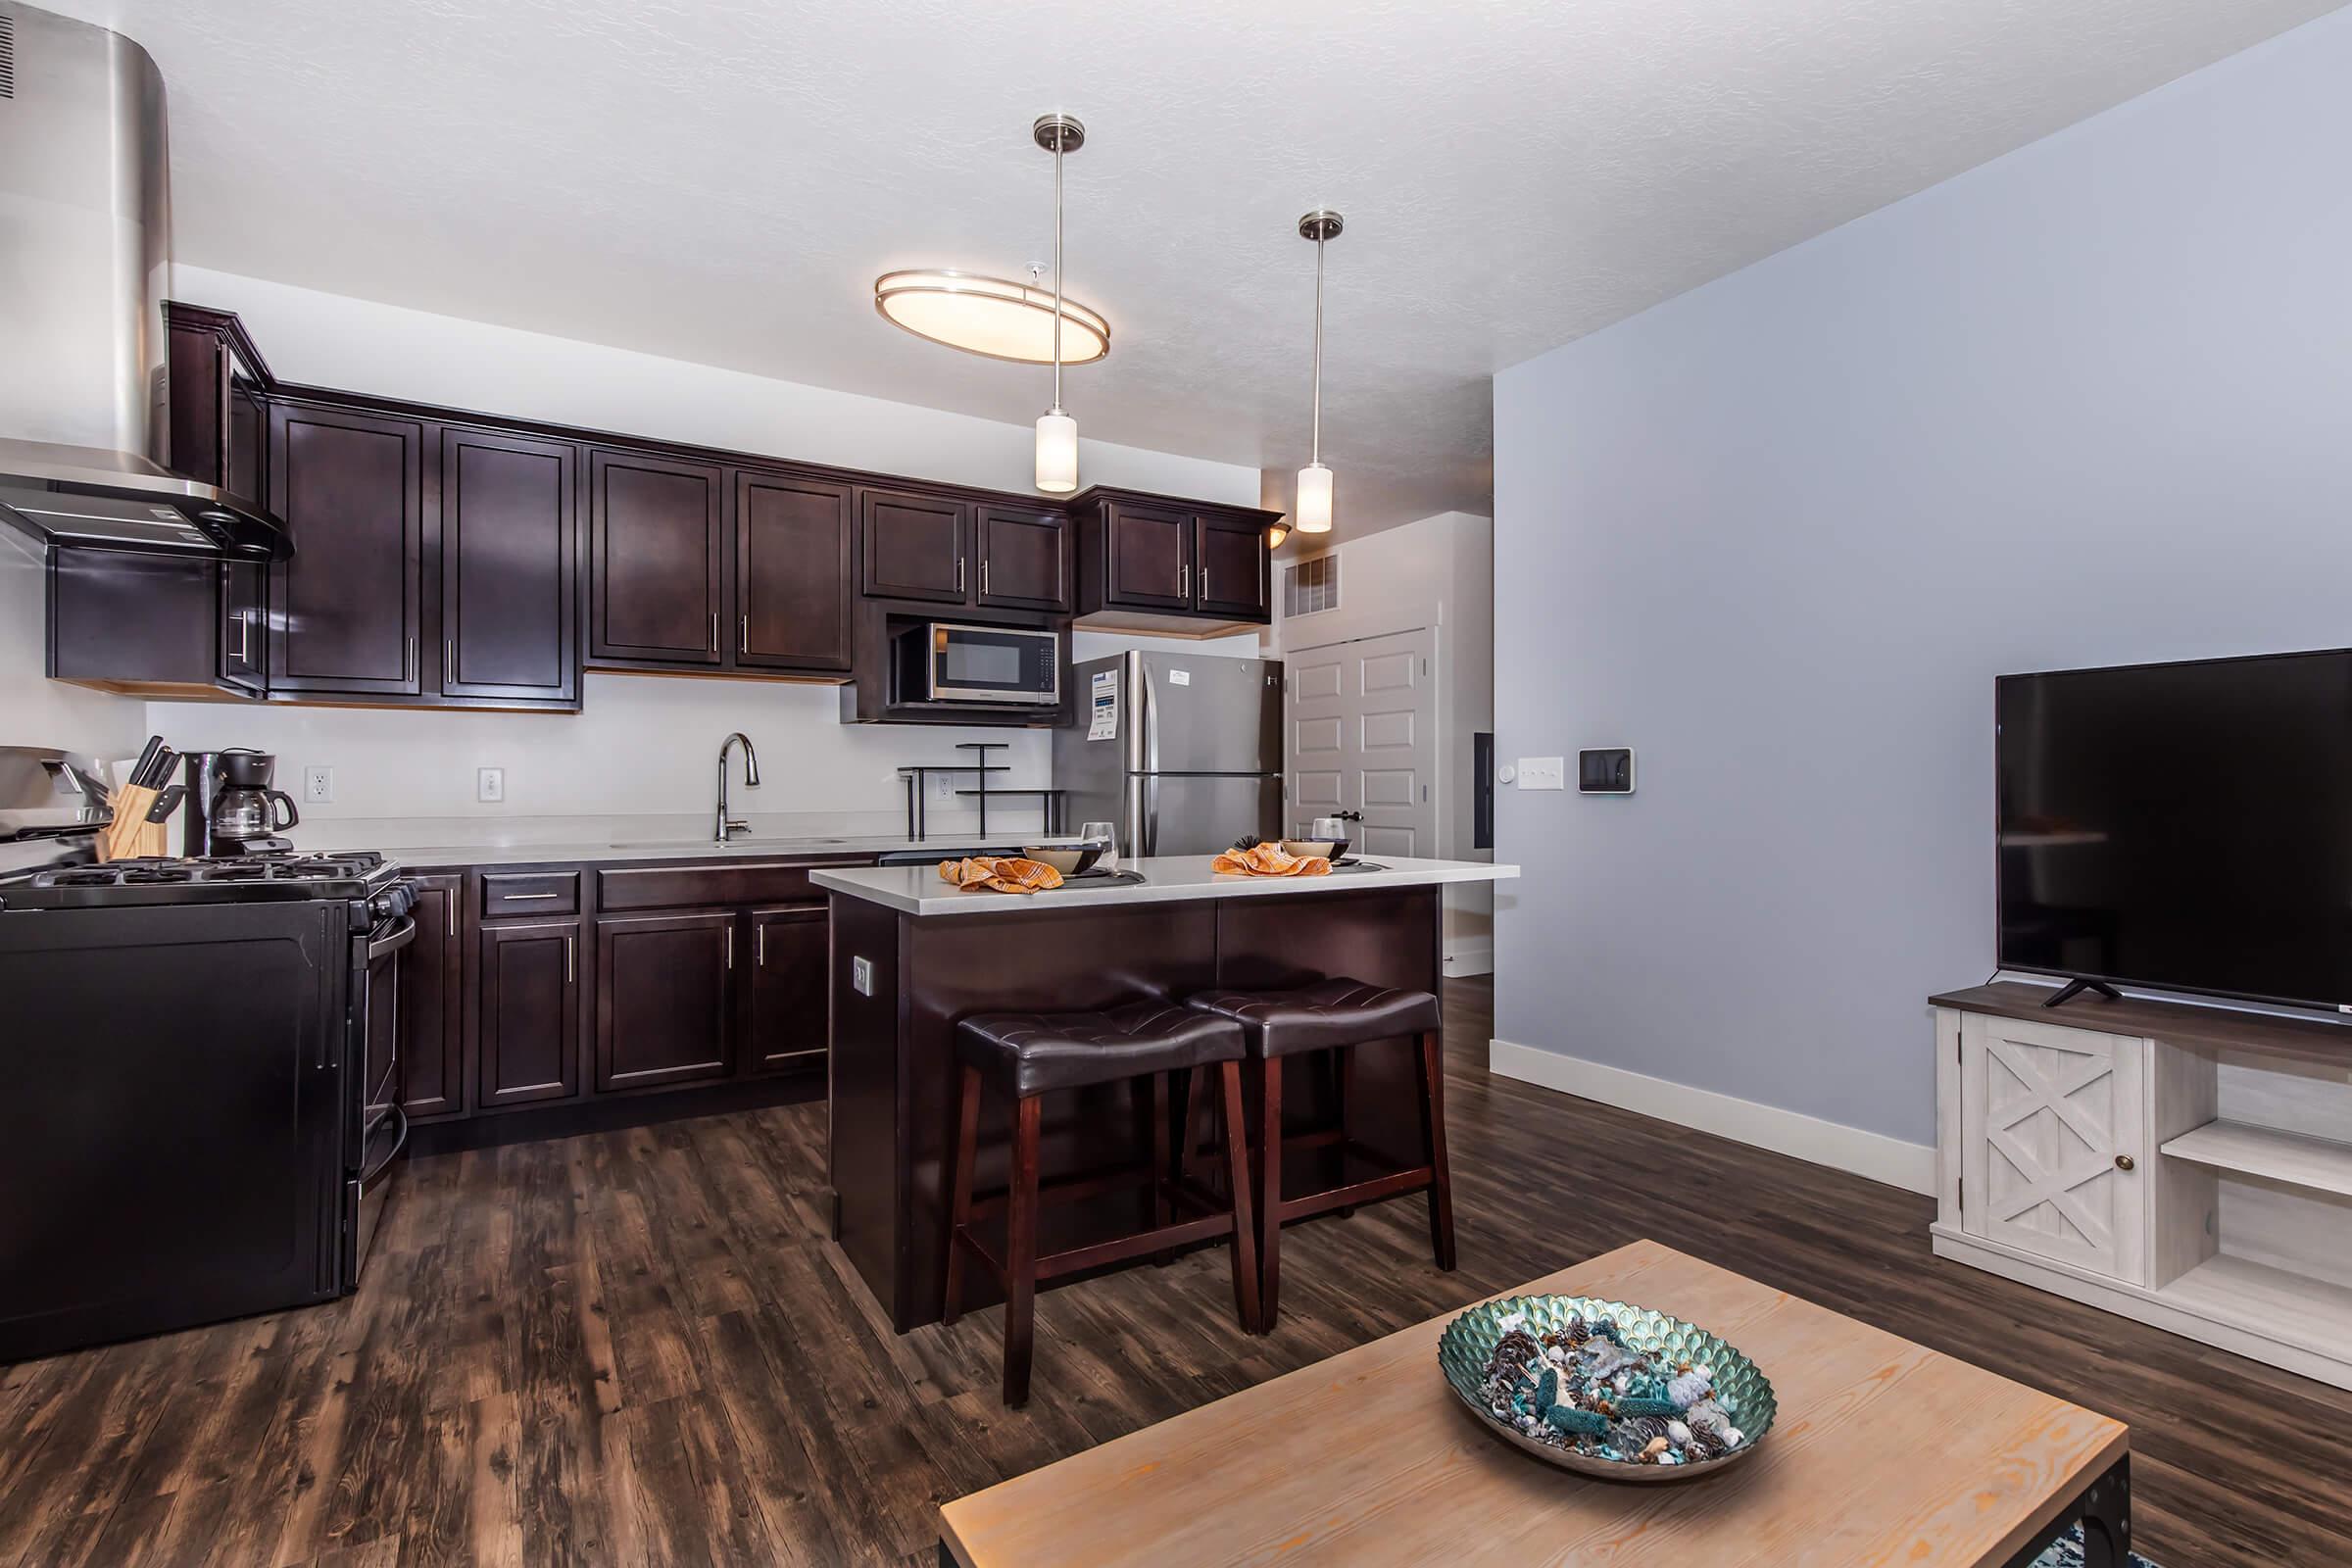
x,y
379,1129
994,664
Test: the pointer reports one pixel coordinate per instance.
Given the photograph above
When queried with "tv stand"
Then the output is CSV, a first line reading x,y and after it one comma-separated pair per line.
x,y
2074,988
2190,1166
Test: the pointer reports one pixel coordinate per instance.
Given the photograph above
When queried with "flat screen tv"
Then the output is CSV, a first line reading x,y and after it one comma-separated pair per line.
x,y
2182,826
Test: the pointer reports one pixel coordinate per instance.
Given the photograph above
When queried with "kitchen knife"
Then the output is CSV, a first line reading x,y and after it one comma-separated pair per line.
x,y
143,772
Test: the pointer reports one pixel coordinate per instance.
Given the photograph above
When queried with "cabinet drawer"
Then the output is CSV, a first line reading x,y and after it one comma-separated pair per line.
x,y
679,887
538,892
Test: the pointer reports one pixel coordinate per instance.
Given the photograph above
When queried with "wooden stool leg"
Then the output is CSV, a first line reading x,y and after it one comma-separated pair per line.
x,y
960,1201
1244,1244
1347,1087
1268,1196
1433,1138
1162,1212
1021,1255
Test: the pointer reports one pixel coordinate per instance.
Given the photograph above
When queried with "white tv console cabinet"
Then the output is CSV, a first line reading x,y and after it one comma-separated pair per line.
x,y
2188,1166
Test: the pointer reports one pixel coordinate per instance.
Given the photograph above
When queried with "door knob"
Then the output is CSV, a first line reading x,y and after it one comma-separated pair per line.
x,y
2126,1163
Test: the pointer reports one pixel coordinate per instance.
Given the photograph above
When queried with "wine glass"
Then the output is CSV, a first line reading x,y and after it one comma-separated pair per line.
x,y
1105,834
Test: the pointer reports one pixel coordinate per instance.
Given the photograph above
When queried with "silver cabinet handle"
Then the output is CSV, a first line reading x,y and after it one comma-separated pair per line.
x,y
1183,581
410,667
571,972
715,631
959,574
449,657
730,947
761,931
244,653
984,574
1205,582
742,634
525,897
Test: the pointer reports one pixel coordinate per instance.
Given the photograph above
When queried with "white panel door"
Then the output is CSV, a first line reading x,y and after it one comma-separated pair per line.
x,y
2052,1132
1362,737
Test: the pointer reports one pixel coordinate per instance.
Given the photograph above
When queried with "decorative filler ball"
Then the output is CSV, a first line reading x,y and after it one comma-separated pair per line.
x,y
1605,1388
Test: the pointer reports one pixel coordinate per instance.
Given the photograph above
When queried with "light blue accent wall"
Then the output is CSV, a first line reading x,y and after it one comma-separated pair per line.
x,y
2088,403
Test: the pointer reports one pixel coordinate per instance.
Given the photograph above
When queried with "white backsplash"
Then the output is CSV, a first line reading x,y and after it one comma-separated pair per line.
x,y
642,747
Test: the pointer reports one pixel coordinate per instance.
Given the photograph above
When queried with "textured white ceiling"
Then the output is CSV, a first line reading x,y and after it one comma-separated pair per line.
x,y
720,180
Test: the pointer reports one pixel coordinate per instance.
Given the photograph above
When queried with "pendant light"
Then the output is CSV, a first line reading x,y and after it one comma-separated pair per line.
x,y
1313,509
1056,431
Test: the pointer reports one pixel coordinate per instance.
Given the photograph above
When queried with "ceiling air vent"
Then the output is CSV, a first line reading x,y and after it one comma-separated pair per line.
x,y
8,55
1311,584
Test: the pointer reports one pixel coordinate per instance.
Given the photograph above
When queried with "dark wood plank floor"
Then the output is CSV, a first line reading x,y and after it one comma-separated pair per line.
x,y
637,1347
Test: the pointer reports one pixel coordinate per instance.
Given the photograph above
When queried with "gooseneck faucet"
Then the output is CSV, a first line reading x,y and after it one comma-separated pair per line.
x,y
750,780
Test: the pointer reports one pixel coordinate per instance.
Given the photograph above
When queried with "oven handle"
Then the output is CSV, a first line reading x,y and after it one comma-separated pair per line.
x,y
403,933
398,1144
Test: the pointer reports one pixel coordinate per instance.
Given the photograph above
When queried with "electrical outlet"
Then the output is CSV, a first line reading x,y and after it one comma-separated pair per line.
x,y
1542,772
861,976
317,786
944,785
490,784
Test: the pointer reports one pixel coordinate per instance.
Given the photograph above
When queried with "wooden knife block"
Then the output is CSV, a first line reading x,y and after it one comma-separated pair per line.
x,y
131,835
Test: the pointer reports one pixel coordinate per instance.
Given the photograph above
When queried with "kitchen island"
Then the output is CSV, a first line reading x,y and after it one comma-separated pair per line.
x,y
913,955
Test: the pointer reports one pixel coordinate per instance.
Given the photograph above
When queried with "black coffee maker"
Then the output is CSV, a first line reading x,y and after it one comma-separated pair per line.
x,y
229,807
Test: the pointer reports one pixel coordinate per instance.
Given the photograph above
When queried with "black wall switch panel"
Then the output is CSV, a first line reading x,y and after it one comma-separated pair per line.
x,y
1609,770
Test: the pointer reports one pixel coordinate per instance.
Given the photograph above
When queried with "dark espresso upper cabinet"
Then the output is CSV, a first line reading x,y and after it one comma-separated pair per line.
x,y
1155,562
914,545
347,610
1231,569
792,572
656,593
509,568
1024,558
1147,557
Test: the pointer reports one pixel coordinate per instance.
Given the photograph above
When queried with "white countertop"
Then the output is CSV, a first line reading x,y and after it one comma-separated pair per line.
x,y
1167,879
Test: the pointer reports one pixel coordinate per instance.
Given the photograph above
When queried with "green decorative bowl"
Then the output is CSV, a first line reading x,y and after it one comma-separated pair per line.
x,y
1469,1342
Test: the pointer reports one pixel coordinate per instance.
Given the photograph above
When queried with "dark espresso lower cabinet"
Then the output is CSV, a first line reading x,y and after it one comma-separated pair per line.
x,y
529,1012
785,1021
664,997
432,1015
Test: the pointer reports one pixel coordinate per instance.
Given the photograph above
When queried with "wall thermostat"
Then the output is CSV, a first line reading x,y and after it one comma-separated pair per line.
x,y
1606,770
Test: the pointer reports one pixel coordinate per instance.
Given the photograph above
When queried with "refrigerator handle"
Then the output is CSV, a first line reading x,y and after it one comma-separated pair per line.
x,y
1148,790
1149,717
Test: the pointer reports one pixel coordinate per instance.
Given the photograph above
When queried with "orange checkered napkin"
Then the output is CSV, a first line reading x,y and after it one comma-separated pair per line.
x,y
1005,873
1270,860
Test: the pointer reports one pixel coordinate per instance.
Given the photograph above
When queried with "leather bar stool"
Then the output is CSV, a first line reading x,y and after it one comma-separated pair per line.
x,y
1335,1015
1025,1055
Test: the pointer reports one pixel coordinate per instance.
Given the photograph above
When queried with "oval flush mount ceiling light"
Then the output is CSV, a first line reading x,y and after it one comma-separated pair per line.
x,y
990,317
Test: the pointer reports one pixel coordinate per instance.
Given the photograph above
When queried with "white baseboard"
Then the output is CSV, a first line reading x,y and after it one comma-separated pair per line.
x,y
1911,1166
1471,956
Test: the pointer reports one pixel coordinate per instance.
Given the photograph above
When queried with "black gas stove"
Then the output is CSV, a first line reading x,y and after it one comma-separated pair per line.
x,y
360,875
203,1061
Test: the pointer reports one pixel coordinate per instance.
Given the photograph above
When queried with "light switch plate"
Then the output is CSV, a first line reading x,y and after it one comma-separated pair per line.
x,y
317,786
1542,772
490,784
861,976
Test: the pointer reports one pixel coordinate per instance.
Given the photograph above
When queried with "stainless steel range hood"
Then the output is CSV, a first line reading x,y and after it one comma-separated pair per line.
x,y
85,260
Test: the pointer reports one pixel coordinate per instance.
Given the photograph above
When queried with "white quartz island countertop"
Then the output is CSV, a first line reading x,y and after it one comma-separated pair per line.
x,y
918,890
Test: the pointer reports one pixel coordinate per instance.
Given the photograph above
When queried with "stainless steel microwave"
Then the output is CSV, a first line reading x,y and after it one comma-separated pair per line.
x,y
949,662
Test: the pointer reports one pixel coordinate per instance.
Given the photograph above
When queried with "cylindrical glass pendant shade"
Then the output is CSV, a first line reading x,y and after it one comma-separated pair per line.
x,y
1056,452
1313,513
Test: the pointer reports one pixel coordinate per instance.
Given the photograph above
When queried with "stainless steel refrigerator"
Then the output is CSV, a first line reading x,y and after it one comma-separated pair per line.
x,y
1183,753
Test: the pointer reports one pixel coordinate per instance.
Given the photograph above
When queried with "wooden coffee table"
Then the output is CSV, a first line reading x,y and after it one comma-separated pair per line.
x,y
1884,1452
